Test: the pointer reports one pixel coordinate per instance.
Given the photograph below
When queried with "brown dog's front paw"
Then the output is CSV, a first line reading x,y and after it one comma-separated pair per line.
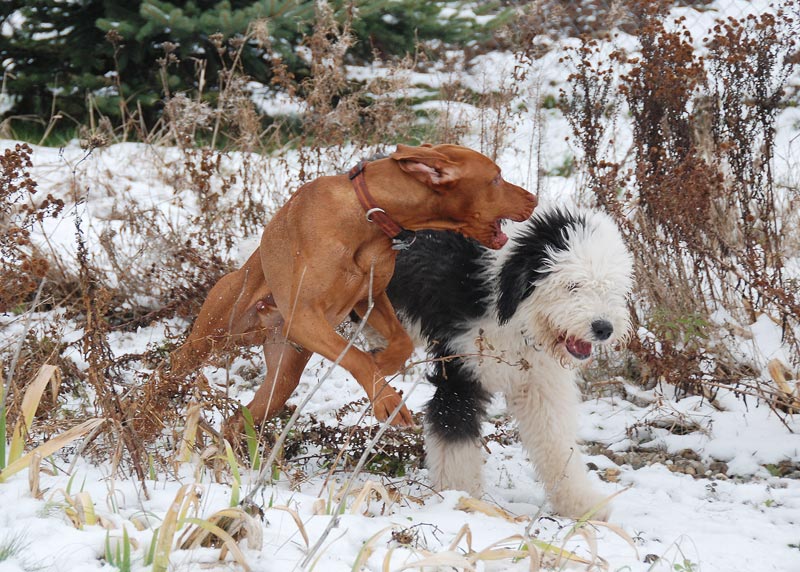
x,y
384,406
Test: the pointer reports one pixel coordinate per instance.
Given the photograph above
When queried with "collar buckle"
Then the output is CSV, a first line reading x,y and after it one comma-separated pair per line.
x,y
401,237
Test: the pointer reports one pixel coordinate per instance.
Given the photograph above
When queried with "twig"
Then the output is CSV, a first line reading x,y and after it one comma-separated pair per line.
x,y
230,329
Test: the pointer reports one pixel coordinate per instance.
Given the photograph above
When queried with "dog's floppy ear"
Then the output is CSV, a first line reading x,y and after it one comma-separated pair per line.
x,y
427,165
516,283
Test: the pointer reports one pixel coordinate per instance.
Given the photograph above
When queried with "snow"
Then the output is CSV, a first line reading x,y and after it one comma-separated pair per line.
x,y
730,525
747,523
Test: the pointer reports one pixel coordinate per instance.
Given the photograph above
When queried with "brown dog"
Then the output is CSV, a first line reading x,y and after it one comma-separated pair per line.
x,y
313,267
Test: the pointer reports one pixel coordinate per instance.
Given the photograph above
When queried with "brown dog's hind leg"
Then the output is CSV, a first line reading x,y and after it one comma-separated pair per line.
x,y
230,314
285,364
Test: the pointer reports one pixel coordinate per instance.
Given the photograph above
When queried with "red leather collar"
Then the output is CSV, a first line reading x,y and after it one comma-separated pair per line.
x,y
401,238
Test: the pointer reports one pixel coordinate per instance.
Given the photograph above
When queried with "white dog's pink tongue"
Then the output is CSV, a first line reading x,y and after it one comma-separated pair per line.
x,y
579,348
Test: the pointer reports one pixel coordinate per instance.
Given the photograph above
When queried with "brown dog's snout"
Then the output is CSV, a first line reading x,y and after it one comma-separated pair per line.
x,y
521,201
509,202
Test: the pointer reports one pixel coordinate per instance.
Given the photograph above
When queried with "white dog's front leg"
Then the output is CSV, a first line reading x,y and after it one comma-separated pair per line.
x,y
454,464
546,411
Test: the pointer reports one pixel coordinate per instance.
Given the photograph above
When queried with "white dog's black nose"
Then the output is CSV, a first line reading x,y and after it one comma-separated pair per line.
x,y
602,330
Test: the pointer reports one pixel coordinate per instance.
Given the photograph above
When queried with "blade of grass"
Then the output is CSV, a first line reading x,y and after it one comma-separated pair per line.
x,y
363,496
300,526
498,554
470,504
30,402
125,565
119,555
233,520
2,422
589,536
34,472
560,553
536,560
252,439
441,559
26,328
85,508
529,546
49,447
464,531
150,557
367,549
387,560
237,478
226,538
189,433
184,499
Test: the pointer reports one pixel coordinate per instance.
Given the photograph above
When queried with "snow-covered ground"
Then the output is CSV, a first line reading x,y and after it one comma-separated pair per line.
x,y
745,523
663,520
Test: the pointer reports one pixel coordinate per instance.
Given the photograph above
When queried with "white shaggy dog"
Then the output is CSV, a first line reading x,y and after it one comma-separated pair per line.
x,y
518,322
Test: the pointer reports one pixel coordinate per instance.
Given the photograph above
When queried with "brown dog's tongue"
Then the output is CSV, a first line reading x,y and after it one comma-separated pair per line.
x,y
500,238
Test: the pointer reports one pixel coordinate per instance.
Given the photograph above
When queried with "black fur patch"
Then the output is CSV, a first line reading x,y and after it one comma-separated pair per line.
x,y
459,405
526,264
440,283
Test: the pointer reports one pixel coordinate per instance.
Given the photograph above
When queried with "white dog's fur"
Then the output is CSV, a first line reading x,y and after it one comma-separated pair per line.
x,y
525,345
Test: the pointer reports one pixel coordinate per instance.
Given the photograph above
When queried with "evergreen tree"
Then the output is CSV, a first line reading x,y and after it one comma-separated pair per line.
x,y
113,48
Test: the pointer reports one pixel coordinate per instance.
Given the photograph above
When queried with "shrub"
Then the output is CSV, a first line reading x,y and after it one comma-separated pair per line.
x,y
21,267
698,202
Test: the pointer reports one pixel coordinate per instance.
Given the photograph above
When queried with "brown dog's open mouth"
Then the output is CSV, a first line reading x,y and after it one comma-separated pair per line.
x,y
578,348
498,237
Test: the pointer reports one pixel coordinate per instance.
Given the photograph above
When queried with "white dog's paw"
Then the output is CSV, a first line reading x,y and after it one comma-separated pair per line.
x,y
589,505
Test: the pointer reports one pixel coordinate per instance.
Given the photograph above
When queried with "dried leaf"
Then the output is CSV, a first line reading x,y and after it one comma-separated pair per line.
x,y
49,447
300,526
30,403
470,504
363,496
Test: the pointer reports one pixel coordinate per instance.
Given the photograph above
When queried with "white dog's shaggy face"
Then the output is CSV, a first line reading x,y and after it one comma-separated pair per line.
x,y
577,294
